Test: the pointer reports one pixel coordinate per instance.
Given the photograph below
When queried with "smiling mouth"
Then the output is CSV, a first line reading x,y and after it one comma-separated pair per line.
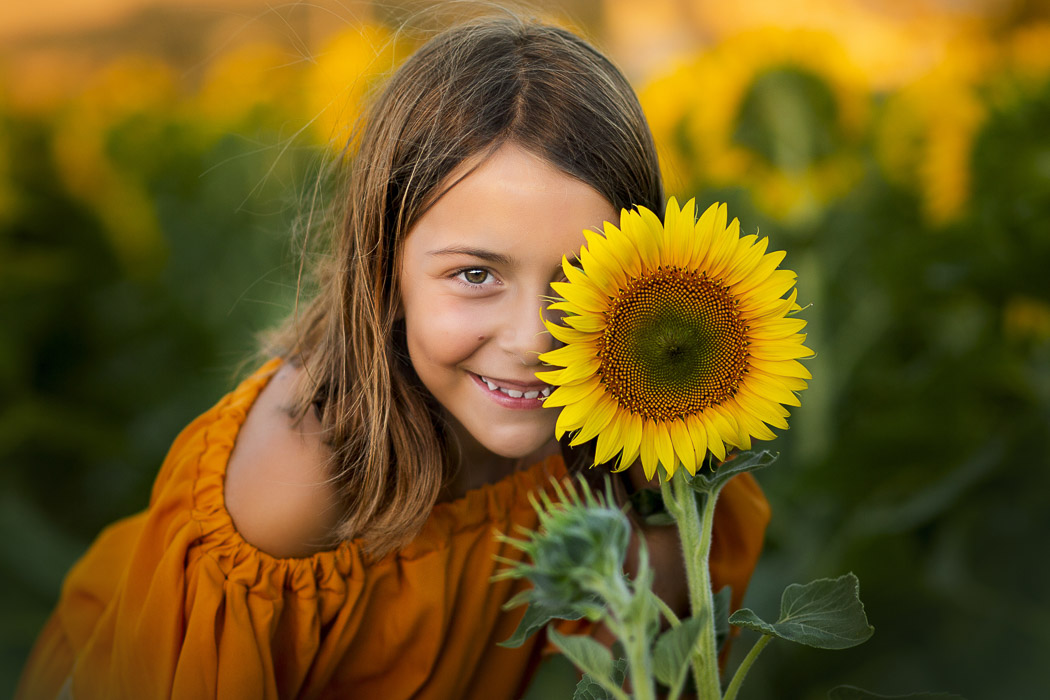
x,y
540,392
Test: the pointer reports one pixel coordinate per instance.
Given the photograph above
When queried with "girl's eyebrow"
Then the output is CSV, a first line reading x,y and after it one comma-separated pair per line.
x,y
488,255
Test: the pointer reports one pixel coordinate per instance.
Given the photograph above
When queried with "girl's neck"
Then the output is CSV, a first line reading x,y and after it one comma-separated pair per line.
x,y
478,466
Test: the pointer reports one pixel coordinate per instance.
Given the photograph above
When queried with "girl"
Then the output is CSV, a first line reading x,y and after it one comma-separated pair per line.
x,y
326,529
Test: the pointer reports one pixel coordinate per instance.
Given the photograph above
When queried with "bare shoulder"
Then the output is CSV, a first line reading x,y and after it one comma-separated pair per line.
x,y
277,489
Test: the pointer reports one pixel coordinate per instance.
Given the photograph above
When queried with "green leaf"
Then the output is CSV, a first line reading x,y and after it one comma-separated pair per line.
x,y
536,616
590,656
825,614
707,480
722,601
589,689
673,650
848,692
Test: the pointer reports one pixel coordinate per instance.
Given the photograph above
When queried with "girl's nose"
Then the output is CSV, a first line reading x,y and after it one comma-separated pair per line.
x,y
524,334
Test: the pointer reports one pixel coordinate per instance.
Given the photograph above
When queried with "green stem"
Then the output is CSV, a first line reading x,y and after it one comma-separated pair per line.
x,y
639,664
667,611
745,666
630,628
695,534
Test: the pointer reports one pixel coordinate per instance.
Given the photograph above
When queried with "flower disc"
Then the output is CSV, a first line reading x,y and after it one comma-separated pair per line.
x,y
674,345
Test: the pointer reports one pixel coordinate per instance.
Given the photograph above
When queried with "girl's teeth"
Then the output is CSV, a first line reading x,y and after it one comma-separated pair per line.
x,y
515,394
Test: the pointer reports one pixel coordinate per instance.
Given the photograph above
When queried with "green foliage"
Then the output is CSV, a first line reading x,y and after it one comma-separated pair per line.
x,y
590,656
589,689
824,614
848,692
673,651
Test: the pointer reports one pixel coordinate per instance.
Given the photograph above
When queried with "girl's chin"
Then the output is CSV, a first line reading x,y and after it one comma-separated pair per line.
x,y
528,452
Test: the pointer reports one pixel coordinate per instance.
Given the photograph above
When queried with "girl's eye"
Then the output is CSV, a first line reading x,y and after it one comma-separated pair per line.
x,y
474,275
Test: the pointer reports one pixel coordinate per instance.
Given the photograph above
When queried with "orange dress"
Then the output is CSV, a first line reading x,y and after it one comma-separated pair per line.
x,y
173,602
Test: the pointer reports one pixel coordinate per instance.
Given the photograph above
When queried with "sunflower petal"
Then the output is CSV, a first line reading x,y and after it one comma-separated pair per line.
x,y
703,235
596,420
632,440
664,447
570,355
573,393
763,269
568,335
591,323
682,441
584,296
648,449
610,440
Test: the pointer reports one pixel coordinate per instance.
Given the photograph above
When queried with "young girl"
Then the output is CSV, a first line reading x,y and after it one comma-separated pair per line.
x,y
327,528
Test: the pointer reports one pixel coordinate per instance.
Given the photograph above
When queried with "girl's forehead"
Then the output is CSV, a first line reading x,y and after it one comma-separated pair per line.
x,y
514,200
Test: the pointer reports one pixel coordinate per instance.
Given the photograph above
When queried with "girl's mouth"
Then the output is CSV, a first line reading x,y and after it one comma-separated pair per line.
x,y
516,396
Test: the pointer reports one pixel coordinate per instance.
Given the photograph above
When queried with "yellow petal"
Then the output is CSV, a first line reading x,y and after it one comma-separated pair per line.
x,y
703,235
600,255
770,389
786,368
749,255
596,419
569,335
715,441
779,350
775,328
610,440
624,250
588,323
664,448
682,441
632,440
718,265
648,245
570,355
761,272
585,297
573,393
648,449
570,375
604,278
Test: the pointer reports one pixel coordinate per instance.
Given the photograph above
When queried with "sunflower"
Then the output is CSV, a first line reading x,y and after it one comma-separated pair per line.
x,y
678,340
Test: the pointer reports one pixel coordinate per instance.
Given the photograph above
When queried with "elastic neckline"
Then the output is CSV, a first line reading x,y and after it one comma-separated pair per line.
x,y
482,506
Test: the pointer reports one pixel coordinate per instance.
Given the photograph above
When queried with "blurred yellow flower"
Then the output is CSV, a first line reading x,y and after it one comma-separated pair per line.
x,y
130,86
1025,318
251,76
342,76
698,107
1027,53
925,136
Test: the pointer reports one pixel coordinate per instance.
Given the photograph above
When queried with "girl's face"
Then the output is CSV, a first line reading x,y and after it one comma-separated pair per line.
x,y
474,271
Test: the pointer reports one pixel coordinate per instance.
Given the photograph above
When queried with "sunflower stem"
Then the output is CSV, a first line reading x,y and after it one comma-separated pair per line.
x,y
694,530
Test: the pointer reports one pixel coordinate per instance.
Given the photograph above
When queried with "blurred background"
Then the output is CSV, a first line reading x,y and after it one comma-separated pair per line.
x,y
158,156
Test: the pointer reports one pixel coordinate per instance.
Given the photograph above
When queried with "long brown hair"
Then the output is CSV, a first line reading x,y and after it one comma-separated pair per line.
x,y
462,94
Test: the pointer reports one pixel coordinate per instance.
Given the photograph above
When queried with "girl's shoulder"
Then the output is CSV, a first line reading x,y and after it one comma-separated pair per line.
x,y
278,491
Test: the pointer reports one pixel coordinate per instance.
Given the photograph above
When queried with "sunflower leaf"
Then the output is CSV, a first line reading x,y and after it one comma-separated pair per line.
x,y
849,692
722,601
536,616
708,480
589,655
825,614
590,689
673,651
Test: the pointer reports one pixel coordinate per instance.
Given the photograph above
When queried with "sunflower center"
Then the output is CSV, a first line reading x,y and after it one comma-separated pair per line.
x,y
674,344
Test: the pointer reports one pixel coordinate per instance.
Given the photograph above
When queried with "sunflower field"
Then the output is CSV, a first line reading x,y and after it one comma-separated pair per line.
x,y
151,224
